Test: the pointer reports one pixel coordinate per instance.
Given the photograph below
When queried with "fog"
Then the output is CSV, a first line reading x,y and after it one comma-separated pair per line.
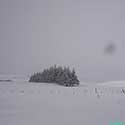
x,y
85,34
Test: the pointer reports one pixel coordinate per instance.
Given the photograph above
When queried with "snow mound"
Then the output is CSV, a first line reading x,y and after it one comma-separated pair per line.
x,y
13,78
114,83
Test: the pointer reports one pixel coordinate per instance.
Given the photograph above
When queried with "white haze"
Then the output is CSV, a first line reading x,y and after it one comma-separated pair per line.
x,y
35,34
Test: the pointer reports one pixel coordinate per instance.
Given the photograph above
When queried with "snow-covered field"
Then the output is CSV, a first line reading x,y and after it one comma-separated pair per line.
x,y
23,103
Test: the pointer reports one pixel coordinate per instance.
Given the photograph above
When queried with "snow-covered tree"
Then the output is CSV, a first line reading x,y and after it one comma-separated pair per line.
x,y
59,75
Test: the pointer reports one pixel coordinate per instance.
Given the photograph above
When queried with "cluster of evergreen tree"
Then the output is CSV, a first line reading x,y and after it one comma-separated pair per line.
x,y
59,75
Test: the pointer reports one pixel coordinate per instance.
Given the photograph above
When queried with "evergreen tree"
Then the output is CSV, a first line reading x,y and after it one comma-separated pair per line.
x,y
62,76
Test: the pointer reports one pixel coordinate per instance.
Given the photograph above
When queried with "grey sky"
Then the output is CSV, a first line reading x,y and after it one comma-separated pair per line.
x,y
39,33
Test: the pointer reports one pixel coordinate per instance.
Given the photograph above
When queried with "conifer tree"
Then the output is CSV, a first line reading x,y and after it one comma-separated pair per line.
x,y
62,76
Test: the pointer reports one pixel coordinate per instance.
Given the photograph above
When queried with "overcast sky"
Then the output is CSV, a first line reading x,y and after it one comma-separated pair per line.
x,y
39,33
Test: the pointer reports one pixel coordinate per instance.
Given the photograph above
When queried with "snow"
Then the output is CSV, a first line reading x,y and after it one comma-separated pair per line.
x,y
14,78
45,104
114,83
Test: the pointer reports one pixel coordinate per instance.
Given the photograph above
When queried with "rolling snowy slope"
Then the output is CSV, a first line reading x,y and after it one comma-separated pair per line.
x,y
114,83
41,104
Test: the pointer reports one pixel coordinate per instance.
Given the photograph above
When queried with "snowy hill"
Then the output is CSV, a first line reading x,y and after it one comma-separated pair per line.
x,y
114,83
13,78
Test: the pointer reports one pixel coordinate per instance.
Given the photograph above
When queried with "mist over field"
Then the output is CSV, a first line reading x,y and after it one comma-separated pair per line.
x,y
86,35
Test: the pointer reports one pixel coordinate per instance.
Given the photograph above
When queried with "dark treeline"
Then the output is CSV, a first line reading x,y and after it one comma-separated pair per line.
x,y
59,75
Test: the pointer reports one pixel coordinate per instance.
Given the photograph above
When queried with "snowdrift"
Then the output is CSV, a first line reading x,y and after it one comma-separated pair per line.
x,y
114,84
